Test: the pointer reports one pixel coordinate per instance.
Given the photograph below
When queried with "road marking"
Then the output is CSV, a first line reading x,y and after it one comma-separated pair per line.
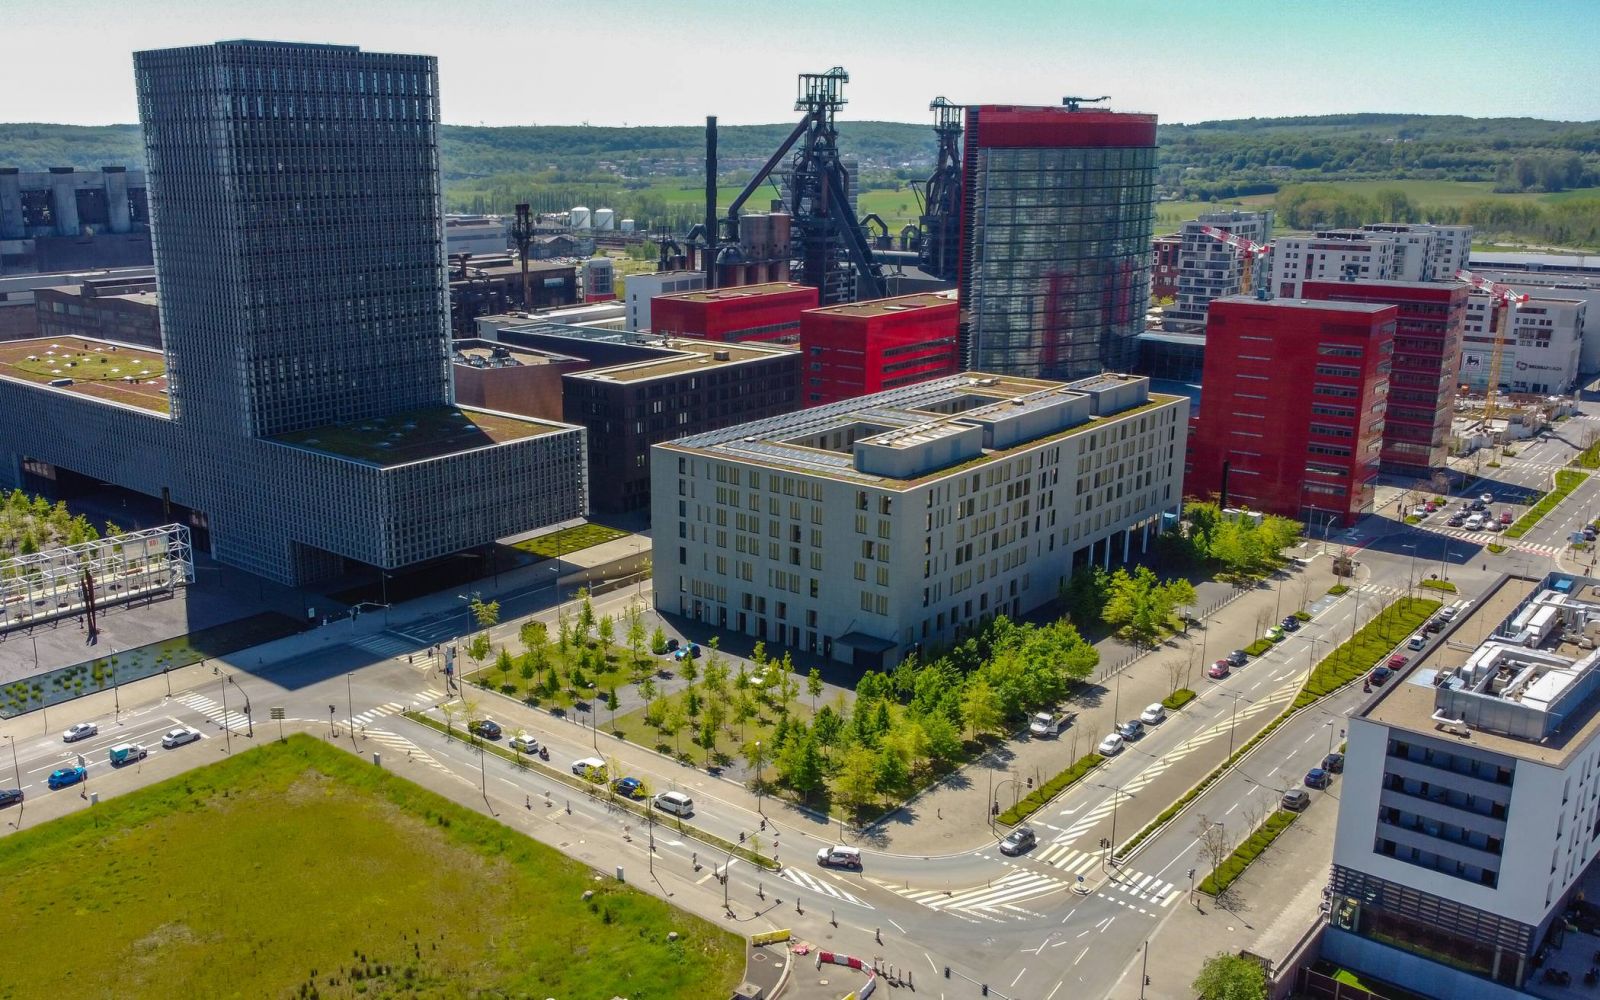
x,y
897,927
1019,976
1080,956
1052,993
929,957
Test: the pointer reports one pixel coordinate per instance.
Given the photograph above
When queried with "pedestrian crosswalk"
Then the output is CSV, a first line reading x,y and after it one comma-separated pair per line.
x,y
997,901
1131,889
1490,538
388,643
816,883
400,745
230,718
373,714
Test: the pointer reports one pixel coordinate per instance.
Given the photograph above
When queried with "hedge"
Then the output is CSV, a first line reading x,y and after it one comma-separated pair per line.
x,y
1304,616
1356,656
1442,585
1566,481
1338,589
1050,789
1177,699
1496,548
1235,864
529,761
1258,647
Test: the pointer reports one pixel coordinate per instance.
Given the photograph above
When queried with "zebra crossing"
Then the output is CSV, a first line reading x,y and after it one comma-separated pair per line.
x,y
814,883
1489,538
374,714
387,643
213,710
1131,888
399,744
994,902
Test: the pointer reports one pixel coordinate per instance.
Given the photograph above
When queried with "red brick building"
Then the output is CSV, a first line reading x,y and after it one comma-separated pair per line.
x,y
1292,406
1164,270
863,347
769,313
1427,356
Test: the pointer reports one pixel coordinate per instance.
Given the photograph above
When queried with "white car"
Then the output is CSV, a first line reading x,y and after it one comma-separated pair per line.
x,y
178,737
1153,714
587,766
1110,746
1487,498
1045,724
79,731
524,743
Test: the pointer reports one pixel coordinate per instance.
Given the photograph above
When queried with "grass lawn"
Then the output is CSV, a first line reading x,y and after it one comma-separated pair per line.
x,y
568,540
1566,482
617,673
296,863
1371,644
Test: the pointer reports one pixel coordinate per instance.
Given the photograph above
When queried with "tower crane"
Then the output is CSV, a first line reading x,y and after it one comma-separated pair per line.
x,y
1248,250
1507,298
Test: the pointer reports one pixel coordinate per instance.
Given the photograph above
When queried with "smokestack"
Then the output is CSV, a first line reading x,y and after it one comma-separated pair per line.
x,y
709,258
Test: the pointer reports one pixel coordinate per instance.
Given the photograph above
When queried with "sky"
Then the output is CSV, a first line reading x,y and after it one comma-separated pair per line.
x,y
650,62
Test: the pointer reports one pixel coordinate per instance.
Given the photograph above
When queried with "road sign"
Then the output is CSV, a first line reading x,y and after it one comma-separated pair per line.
x,y
277,712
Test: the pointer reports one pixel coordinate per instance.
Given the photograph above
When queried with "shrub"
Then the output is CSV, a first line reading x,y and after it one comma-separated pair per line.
x,y
1444,585
1413,519
1496,548
1304,616
1338,589
1258,647
1050,789
1177,699
1353,657
1240,859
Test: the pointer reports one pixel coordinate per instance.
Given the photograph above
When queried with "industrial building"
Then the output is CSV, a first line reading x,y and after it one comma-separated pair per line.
x,y
1292,406
1427,356
296,436
862,530
511,379
122,310
487,235
866,347
65,219
1542,351
488,285
1055,239
1468,807
766,313
1210,269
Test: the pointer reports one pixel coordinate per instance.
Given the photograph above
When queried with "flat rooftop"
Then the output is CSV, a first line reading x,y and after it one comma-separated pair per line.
x,y
1362,308
492,354
1411,699
416,435
116,373
738,292
694,356
889,306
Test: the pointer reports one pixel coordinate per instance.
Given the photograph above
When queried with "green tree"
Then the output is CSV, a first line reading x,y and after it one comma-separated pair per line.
x,y
658,640
607,631
673,721
980,707
612,701
478,649
857,781
755,755
486,613
1179,594
800,767
814,687
1231,977
943,739
647,691
892,771
1136,606
533,633
708,738
635,637
688,670
586,620
503,665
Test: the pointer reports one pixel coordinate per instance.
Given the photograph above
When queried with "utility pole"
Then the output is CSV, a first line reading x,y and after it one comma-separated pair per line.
x,y
227,729
522,236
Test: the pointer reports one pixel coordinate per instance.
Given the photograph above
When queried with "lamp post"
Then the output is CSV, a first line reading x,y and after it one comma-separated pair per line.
x,y
1233,716
1411,571
14,765
1330,736
1444,559
248,718
758,777
116,698
227,728
350,704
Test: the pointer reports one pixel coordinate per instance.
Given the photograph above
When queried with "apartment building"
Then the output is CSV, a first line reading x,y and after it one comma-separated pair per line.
x,y
1209,269
861,530
1424,251
1386,251
1542,351
1470,808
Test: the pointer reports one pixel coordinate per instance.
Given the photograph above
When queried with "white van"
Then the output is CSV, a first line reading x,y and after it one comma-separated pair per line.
x,y
676,803
588,765
839,856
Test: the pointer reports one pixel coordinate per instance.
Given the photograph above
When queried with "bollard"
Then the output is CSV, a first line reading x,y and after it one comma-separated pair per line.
x,y
833,918
569,807
761,891
797,905
878,932
377,759
619,874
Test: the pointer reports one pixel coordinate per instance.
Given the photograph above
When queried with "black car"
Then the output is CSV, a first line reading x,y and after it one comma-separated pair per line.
x,y
10,796
1456,521
1238,658
1333,763
487,728
1316,778
1478,505
1435,624
1290,623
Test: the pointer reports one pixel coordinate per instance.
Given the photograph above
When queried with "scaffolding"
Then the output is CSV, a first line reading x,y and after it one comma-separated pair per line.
x,y
78,579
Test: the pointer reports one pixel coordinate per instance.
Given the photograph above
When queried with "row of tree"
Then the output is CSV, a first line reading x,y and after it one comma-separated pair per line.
x,y
1573,222
30,524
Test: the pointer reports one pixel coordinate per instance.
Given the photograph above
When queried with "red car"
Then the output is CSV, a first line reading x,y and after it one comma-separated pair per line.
x,y
1396,661
1218,670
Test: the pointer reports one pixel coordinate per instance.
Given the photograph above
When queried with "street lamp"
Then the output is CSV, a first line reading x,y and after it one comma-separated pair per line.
x,y
350,703
1411,571
1330,737
116,699
249,719
227,728
1233,716
758,777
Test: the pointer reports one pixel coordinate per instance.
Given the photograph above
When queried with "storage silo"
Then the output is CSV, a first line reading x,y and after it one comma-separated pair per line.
x,y
627,225
579,217
605,219
778,270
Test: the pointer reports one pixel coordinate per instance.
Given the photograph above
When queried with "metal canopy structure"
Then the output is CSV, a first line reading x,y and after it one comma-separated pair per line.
x,y
77,579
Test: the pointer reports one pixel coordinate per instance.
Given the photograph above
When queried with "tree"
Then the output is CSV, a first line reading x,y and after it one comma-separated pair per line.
x,y
533,633
658,640
450,710
892,771
708,738
487,614
857,781
943,739
673,723
688,670
635,636
1137,605
1214,844
504,665
478,649
1231,977
755,756
607,631
612,701
980,707
1179,595
585,614
647,691
800,767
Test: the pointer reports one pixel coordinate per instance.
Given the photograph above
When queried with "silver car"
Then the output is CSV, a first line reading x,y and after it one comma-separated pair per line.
x,y
178,737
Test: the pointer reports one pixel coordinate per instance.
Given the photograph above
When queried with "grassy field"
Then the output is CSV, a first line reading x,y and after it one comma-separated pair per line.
x,y
296,870
568,540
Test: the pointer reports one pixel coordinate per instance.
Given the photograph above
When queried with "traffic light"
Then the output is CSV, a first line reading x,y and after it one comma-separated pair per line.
x,y
1030,782
1147,980
984,989
1191,873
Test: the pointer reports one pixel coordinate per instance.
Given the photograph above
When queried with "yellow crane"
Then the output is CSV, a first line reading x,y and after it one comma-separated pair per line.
x,y
1505,298
1249,250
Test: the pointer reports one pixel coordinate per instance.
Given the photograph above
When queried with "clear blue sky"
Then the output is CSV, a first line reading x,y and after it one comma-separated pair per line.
x,y
657,62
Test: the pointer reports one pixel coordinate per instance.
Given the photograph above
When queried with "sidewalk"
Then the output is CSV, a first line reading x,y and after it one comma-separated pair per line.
x,y
1276,903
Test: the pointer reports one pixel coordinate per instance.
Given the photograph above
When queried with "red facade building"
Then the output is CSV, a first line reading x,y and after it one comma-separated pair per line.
x,y
1164,271
1427,356
768,313
1292,406
863,347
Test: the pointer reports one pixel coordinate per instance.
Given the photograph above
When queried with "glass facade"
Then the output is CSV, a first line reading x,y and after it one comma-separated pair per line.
x,y
1055,277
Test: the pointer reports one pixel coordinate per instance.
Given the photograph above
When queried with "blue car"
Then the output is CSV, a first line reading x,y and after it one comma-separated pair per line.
x,y
629,787
64,776
1316,778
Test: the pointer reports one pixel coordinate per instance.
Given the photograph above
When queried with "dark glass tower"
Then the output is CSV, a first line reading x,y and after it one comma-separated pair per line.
x,y
1055,239
298,238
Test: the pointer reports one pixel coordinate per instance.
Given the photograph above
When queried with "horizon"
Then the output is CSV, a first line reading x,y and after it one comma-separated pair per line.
x,y
620,64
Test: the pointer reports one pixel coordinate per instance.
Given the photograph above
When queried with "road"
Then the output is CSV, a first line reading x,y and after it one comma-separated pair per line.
x,y
1058,921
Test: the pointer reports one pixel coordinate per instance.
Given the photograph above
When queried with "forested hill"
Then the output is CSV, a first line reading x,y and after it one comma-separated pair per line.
x,y
1221,158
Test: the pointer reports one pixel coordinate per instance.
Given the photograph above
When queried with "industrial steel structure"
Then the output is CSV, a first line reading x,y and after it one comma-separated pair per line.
x,y
75,579
939,253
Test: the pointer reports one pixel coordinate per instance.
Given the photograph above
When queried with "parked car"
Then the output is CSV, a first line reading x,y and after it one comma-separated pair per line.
x,y
1110,746
1474,523
1290,623
1046,724
524,743
1018,841
676,803
63,776
1296,799
1380,674
1238,658
629,787
10,796
1316,778
1588,533
79,731
1153,714
586,766
487,728
1505,517
1449,614
1479,504
1333,763
126,753
1218,670
1397,661
1130,730
1456,521
1486,498
1417,641
1430,506
1492,525
839,856
179,736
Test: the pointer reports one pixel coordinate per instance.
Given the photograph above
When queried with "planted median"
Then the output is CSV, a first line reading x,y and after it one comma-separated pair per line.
x,y
1567,480
1224,874
1371,644
1050,789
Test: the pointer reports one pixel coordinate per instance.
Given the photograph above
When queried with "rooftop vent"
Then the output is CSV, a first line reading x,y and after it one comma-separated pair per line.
x,y
720,355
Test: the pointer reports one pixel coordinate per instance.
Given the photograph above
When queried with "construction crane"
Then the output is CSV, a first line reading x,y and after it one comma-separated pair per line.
x,y
1248,250
1507,298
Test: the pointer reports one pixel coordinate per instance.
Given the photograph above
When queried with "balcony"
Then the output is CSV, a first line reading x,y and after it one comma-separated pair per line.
x,y
1418,836
1434,807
